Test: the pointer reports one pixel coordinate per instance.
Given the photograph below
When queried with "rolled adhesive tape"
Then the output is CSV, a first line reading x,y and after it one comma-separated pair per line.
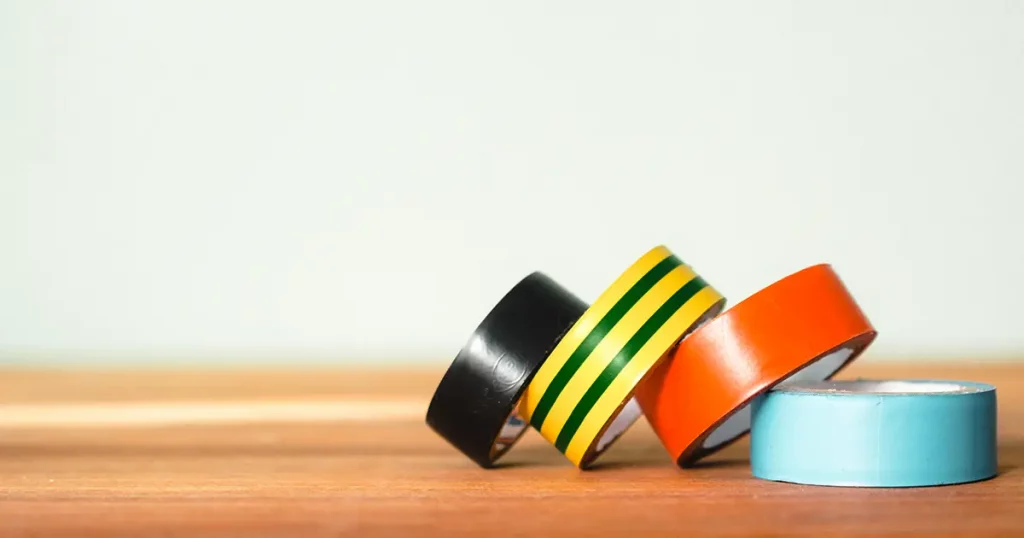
x,y
803,327
475,406
582,398
875,433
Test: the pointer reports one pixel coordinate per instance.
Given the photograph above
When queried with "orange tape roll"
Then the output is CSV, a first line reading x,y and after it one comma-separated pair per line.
x,y
805,327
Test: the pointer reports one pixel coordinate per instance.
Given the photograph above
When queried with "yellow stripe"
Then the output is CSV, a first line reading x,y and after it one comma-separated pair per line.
x,y
584,325
643,362
609,347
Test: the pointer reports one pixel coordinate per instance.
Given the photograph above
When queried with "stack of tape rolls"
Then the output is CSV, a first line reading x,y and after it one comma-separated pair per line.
x,y
657,343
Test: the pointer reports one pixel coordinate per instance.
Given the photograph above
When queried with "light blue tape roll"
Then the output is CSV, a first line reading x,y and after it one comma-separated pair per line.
x,y
875,433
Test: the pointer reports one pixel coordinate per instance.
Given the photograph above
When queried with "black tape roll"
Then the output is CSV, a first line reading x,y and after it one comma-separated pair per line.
x,y
475,406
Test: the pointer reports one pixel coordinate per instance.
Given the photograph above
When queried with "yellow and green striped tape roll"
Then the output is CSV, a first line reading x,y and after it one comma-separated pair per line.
x,y
592,372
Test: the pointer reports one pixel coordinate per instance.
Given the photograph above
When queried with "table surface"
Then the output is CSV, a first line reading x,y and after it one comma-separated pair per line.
x,y
337,452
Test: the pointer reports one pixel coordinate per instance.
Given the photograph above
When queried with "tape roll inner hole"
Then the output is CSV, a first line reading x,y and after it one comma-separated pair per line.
x,y
876,387
511,431
622,421
739,422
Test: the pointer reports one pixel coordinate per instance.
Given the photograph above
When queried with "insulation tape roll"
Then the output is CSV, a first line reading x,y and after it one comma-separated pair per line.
x,y
582,397
875,433
475,406
803,327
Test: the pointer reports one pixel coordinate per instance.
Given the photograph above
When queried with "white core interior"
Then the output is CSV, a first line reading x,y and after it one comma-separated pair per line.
x,y
627,416
878,387
511,431
739,422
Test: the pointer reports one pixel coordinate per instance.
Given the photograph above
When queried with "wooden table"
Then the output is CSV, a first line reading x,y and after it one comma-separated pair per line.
x,y
350,455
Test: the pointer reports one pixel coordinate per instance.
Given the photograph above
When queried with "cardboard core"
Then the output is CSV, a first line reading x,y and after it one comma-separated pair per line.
x,y
510,433
626,417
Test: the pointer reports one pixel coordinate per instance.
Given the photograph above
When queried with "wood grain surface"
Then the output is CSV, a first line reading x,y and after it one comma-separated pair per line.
x,y
393,477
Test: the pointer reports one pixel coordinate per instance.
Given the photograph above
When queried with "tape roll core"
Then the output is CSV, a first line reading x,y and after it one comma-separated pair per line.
x,y
869,433
475,406
805,326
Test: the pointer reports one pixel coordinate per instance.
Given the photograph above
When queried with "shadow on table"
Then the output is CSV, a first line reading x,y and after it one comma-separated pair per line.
x,y
628,455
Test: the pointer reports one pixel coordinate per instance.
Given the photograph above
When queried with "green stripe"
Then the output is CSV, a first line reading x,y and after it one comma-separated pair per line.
x,y
580,354
603,381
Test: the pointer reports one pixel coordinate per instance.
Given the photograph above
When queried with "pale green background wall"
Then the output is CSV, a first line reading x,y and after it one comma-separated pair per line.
x,y
325,181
